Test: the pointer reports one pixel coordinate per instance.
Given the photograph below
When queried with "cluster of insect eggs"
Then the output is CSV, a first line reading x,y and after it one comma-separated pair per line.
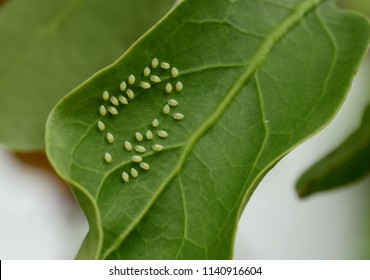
x,y
125,87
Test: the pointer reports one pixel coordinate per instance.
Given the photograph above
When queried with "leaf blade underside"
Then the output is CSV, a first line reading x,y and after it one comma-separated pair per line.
x,y
49,47
247,102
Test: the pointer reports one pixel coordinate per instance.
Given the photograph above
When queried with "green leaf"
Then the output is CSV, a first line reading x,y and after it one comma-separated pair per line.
x,y
346,164
259,78
357,5
49,47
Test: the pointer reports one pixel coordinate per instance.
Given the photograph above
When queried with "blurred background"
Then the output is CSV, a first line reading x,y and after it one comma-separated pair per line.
x,y
39,218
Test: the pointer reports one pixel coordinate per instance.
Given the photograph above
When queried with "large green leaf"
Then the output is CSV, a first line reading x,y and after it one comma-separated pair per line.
x,y
347,163
49,47
259,78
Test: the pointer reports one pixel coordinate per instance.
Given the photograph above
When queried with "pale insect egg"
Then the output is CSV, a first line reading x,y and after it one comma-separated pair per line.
x,y
168,88
123,86
131,79
149,135
162,133
110,137
130,93
105,95
155,62
146,71
108,157
112,110
179,86
157,147
114,100
178,116
174,72
155,79
122,99
165,65
172,102
125,177
155,123
140,149
166,109
128,146
102,110
101,125
139,137
134,173
136,158
144,165
145,85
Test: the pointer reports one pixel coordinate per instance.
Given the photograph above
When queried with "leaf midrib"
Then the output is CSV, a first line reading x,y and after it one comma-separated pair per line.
x,y
298,12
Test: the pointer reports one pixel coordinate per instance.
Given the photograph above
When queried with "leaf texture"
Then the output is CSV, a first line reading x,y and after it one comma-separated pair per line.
x,y
259,77
49,47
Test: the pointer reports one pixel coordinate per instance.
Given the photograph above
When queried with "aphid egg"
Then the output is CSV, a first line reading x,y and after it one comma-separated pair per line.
x,y
102,110
112,110
140,149
122,99
166,109
179,86
139,137
144,165
155,79
128,146
149,135
157,147
101,125
108,157
114,100
110,137
155,123
105,95
125,177
145,85
178,116
136,158
162,133
130,93
165,65
146,71
155,62
172,102
174,72
168,88
122,86
131,79
134,173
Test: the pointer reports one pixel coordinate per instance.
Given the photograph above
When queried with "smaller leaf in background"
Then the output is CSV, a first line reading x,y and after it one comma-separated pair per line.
x,y
49,47
362,6
346,164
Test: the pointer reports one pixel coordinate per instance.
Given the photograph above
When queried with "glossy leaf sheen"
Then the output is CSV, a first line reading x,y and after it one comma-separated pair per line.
x,y
49,47
259,78
346,164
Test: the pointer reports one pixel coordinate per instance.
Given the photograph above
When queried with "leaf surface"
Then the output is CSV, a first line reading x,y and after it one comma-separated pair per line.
x,y
346,164
49,47
259,77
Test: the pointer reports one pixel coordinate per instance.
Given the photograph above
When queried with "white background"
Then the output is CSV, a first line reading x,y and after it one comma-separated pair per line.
x,y
39,219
